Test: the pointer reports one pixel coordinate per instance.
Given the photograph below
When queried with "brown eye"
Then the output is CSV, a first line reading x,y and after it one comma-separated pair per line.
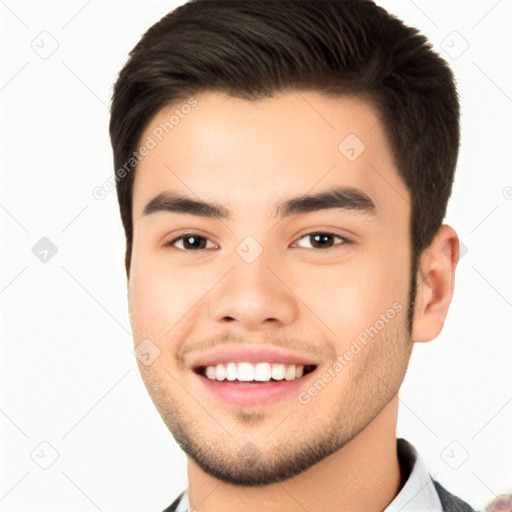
x,y
324,241
190,242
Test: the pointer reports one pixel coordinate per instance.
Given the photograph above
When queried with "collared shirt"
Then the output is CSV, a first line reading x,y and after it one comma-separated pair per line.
x,y
418,493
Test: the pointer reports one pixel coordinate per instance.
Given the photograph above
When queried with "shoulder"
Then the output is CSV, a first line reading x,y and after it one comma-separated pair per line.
x,y
450,502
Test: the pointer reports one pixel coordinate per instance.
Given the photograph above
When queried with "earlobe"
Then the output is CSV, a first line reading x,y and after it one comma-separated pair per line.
x,y
435,284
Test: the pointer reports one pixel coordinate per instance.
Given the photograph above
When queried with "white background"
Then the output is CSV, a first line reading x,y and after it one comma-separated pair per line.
x,y
68,375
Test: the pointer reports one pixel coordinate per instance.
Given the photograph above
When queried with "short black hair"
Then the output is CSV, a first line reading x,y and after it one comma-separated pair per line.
x,y
252,49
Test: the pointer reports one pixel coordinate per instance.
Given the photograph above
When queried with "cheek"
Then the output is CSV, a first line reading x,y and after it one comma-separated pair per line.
x,y
156,302
163,297
355,295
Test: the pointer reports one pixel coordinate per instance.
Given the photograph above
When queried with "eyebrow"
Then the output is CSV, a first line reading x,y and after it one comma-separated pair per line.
x,y
346,198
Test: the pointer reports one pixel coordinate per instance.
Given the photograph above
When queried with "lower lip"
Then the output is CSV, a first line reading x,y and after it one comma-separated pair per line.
x,y
252,394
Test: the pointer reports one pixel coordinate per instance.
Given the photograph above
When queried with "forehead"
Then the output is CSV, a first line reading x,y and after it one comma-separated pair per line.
x,y
248,155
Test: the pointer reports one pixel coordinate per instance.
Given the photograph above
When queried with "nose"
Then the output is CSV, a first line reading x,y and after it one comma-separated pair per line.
x,y
253,296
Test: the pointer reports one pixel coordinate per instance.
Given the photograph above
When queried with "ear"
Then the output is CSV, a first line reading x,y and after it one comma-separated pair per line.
x,y
435,281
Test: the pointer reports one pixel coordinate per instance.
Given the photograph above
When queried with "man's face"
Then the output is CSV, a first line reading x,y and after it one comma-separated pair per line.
x,y
315,283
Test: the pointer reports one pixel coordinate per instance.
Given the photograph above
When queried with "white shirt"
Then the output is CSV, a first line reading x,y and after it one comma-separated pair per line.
x,y
418,493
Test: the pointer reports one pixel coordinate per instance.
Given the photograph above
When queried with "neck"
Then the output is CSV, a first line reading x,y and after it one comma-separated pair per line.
x,y
364,475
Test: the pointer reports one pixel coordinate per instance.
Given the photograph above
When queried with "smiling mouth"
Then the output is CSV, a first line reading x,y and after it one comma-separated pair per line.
x,y
244,373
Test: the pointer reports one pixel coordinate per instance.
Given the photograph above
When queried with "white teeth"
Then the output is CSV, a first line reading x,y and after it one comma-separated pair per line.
x,y
245,372
290,373
278,371
230,371
220,372
260,372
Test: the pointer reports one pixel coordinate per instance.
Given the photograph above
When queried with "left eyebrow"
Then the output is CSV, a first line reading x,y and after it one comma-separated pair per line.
x,y
346,198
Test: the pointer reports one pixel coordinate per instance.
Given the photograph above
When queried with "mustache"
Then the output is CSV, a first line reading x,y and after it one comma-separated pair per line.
x,y
278,340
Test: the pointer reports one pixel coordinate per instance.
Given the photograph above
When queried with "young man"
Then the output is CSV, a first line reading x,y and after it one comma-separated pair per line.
x,y
283,169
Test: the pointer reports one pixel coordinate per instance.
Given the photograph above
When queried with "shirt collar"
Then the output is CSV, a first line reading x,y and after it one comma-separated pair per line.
x,y
417,494
183,504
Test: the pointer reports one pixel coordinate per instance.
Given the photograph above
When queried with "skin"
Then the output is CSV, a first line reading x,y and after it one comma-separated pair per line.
x,y
338,452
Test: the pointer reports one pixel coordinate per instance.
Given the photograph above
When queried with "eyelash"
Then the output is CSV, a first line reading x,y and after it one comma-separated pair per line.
x,y
195,235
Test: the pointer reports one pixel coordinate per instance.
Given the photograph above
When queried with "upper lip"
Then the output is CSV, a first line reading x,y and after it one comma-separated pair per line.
x,y
249,354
